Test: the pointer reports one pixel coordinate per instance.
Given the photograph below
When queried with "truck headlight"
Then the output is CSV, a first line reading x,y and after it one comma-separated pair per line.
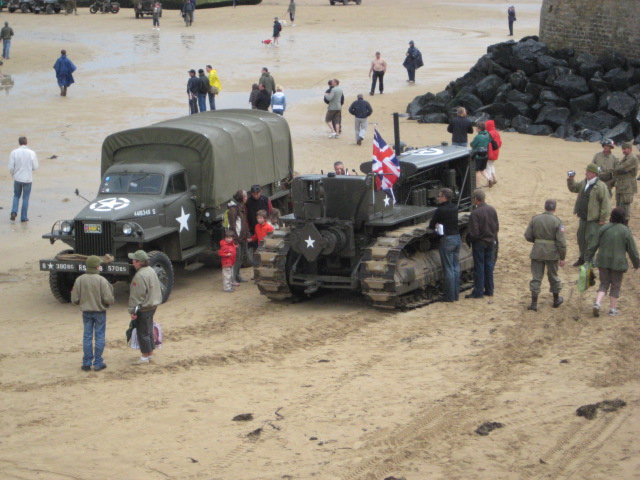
x,y
66,227
127,229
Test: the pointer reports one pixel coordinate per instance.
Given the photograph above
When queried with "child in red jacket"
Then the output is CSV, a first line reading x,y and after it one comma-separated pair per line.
x,y
263,228
227,254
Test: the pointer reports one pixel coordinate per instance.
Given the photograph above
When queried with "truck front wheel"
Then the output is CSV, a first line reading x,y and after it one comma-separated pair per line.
x,y
164,269
61,285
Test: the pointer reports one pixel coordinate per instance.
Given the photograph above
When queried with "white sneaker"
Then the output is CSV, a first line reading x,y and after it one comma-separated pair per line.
x,y
331,135
141,361
614,312
596,309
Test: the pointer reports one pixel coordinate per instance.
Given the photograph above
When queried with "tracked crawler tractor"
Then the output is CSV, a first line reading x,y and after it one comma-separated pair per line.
x,y
343,234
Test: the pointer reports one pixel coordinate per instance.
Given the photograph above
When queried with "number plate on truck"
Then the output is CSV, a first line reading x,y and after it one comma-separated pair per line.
x,y
92,228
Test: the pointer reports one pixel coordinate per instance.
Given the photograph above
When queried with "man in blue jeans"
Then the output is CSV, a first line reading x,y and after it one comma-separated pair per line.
x,y
483,233
94,294
445,219
22,162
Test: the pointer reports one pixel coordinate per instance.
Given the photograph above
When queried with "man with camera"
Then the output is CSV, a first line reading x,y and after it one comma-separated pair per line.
x,y
592,207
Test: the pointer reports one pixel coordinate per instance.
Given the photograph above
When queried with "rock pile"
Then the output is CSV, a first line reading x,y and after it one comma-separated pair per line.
x,y
526,87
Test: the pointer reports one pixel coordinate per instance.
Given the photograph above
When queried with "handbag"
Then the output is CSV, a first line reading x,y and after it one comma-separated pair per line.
x,y
214,90
586,277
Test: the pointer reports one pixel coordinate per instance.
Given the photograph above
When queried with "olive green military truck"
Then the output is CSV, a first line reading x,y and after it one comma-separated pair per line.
x,y
165,188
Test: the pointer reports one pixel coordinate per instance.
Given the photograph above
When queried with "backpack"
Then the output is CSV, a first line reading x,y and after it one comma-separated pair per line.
x,y
493,143
225,219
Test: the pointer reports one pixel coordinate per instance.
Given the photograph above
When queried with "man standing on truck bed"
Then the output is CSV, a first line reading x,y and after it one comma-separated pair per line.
x,y
144,297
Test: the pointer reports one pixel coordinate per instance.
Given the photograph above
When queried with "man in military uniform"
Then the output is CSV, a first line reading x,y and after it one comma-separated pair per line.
x,y
593,206
144,296
624,177
606,162
546,232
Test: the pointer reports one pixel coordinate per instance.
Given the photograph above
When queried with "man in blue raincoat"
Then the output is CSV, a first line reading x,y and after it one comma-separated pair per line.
x,y
64,72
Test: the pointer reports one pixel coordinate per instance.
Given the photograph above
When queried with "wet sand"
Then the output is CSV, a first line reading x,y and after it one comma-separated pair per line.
x,y
338,390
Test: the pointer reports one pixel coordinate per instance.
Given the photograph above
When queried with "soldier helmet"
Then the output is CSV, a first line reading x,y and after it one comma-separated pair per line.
x,y
607,142
592,167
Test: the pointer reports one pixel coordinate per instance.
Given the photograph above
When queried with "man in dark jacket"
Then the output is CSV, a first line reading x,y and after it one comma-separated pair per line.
x,y
459,127
483,233
256,202
204,90
361,109
263,99
445,219
193,90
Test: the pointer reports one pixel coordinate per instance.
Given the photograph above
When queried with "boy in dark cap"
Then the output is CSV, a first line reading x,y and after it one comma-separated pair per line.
x,y
94,294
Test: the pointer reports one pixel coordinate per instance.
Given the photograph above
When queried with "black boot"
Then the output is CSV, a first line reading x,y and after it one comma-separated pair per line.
x,y
534,302
557,300
579,262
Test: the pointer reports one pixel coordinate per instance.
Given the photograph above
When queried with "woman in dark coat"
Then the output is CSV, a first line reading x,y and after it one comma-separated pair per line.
x,y
613,242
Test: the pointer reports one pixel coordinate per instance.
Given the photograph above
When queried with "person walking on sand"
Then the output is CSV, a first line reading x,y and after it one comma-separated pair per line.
x,y
22,162
277,28
145,294
511,17
492,153
157,10
93,293
64,72
613,243
215,87
291,9
187,12
546,232
412,61
361,109
333,118
376,73
6,33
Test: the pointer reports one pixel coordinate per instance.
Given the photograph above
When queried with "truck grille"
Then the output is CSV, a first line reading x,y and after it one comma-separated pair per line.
x,y
90,241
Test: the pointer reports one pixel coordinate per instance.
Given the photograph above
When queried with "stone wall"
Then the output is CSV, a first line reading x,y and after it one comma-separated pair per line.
x,y
592,26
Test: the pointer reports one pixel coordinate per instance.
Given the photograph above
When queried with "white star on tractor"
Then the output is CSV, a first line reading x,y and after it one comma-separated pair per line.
x,y
183,219
387,199
310,241
51,266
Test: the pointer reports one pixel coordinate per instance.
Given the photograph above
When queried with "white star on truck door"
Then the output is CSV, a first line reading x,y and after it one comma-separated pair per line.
x,y
310,242
183,219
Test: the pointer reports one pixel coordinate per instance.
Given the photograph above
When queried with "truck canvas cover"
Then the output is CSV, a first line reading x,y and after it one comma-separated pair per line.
x,y
222,150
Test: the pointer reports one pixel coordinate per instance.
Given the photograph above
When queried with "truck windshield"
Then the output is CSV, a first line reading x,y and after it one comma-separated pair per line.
x,y
150,183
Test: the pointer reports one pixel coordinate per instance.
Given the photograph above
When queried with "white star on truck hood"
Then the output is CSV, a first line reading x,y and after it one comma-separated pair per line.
x,y
386,200
183,219
310,241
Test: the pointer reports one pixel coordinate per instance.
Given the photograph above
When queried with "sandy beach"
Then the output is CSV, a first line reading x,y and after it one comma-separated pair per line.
x,y
336,389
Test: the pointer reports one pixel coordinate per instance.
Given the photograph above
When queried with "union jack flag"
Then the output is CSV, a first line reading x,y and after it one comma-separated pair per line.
x,y
385,164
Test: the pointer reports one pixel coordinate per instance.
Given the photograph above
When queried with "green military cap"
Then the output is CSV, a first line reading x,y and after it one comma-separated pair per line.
x,y
139,255
93,261
627,145
592,167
